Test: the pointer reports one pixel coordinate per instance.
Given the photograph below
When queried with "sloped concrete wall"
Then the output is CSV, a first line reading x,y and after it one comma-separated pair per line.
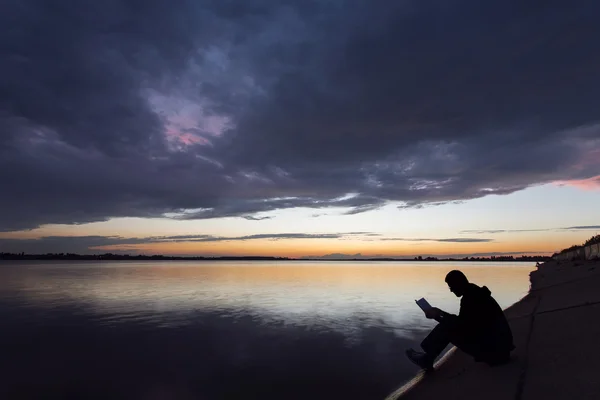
x,y
594,251
586,253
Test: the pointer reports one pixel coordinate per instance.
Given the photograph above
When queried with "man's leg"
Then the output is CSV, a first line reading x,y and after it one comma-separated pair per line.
x,y
448,333
433,344
437,340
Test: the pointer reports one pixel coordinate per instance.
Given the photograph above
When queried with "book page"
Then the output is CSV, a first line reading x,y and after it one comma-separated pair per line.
x,y
423,304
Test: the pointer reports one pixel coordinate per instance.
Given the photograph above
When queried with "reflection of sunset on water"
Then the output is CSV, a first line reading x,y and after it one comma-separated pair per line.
x,y
322,293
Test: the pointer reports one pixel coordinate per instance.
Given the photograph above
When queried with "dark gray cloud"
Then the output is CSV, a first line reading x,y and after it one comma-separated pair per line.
x,y
206,109
485,231
63,244
583,228
235,208
443,240
90,244
273,236
253,218
494,231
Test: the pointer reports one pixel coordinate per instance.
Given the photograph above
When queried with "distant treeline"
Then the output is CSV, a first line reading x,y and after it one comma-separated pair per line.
x,y
492,258
593,240
127,257
110,256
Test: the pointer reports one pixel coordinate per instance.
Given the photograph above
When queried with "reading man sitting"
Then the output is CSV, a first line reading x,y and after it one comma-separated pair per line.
x,y
480,329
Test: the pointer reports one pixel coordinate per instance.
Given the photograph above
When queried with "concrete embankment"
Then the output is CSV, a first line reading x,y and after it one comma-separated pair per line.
x,y
589,252
556,328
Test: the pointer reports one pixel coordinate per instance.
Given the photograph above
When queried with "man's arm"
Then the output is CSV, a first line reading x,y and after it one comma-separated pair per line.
x,y
438,315
444,316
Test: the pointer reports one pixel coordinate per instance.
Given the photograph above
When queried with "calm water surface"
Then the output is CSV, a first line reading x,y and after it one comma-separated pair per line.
x,y
222,330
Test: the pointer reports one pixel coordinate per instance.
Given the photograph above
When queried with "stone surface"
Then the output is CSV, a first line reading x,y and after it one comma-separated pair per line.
x,y
563,355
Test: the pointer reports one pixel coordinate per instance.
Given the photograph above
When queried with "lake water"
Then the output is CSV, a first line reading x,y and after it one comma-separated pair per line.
x,y
223,330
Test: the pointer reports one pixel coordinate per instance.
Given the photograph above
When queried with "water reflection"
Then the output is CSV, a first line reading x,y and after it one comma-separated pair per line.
x,y
300,293
199,328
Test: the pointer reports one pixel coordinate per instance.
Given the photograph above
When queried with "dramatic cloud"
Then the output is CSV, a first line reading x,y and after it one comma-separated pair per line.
x,y
208,109
233,208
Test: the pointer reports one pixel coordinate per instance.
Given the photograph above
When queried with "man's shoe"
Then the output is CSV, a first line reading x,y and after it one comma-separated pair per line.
x,y
421,359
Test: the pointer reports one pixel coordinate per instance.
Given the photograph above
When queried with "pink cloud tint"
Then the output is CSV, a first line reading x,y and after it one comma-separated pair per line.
x,y
185,138
187,122
592,183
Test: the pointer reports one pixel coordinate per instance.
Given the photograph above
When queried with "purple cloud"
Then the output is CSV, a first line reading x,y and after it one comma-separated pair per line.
x,y
209,109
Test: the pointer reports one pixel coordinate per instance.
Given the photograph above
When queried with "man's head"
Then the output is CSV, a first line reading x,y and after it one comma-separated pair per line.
x,y
457,282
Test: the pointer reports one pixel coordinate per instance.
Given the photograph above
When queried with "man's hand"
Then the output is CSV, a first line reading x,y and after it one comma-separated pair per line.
x,y
433,313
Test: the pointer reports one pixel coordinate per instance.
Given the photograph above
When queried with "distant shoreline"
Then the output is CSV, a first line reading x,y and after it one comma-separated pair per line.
x,y
124,257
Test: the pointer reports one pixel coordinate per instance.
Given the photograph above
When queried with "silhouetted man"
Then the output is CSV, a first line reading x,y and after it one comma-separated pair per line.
x,y
480,329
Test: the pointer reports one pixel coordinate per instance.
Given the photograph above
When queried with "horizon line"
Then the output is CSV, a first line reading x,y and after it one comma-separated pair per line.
x,y
327,257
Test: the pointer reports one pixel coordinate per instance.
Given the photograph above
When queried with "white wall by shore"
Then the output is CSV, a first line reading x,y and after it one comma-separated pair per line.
x,y
586,253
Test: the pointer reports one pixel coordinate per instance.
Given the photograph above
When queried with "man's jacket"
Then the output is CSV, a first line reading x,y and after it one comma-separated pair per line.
x,y
482,320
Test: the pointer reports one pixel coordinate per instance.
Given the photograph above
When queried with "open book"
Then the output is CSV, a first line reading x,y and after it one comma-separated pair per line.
x,y
423,304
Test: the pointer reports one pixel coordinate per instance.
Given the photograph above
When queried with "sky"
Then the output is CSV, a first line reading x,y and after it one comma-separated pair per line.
x,y
299,127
